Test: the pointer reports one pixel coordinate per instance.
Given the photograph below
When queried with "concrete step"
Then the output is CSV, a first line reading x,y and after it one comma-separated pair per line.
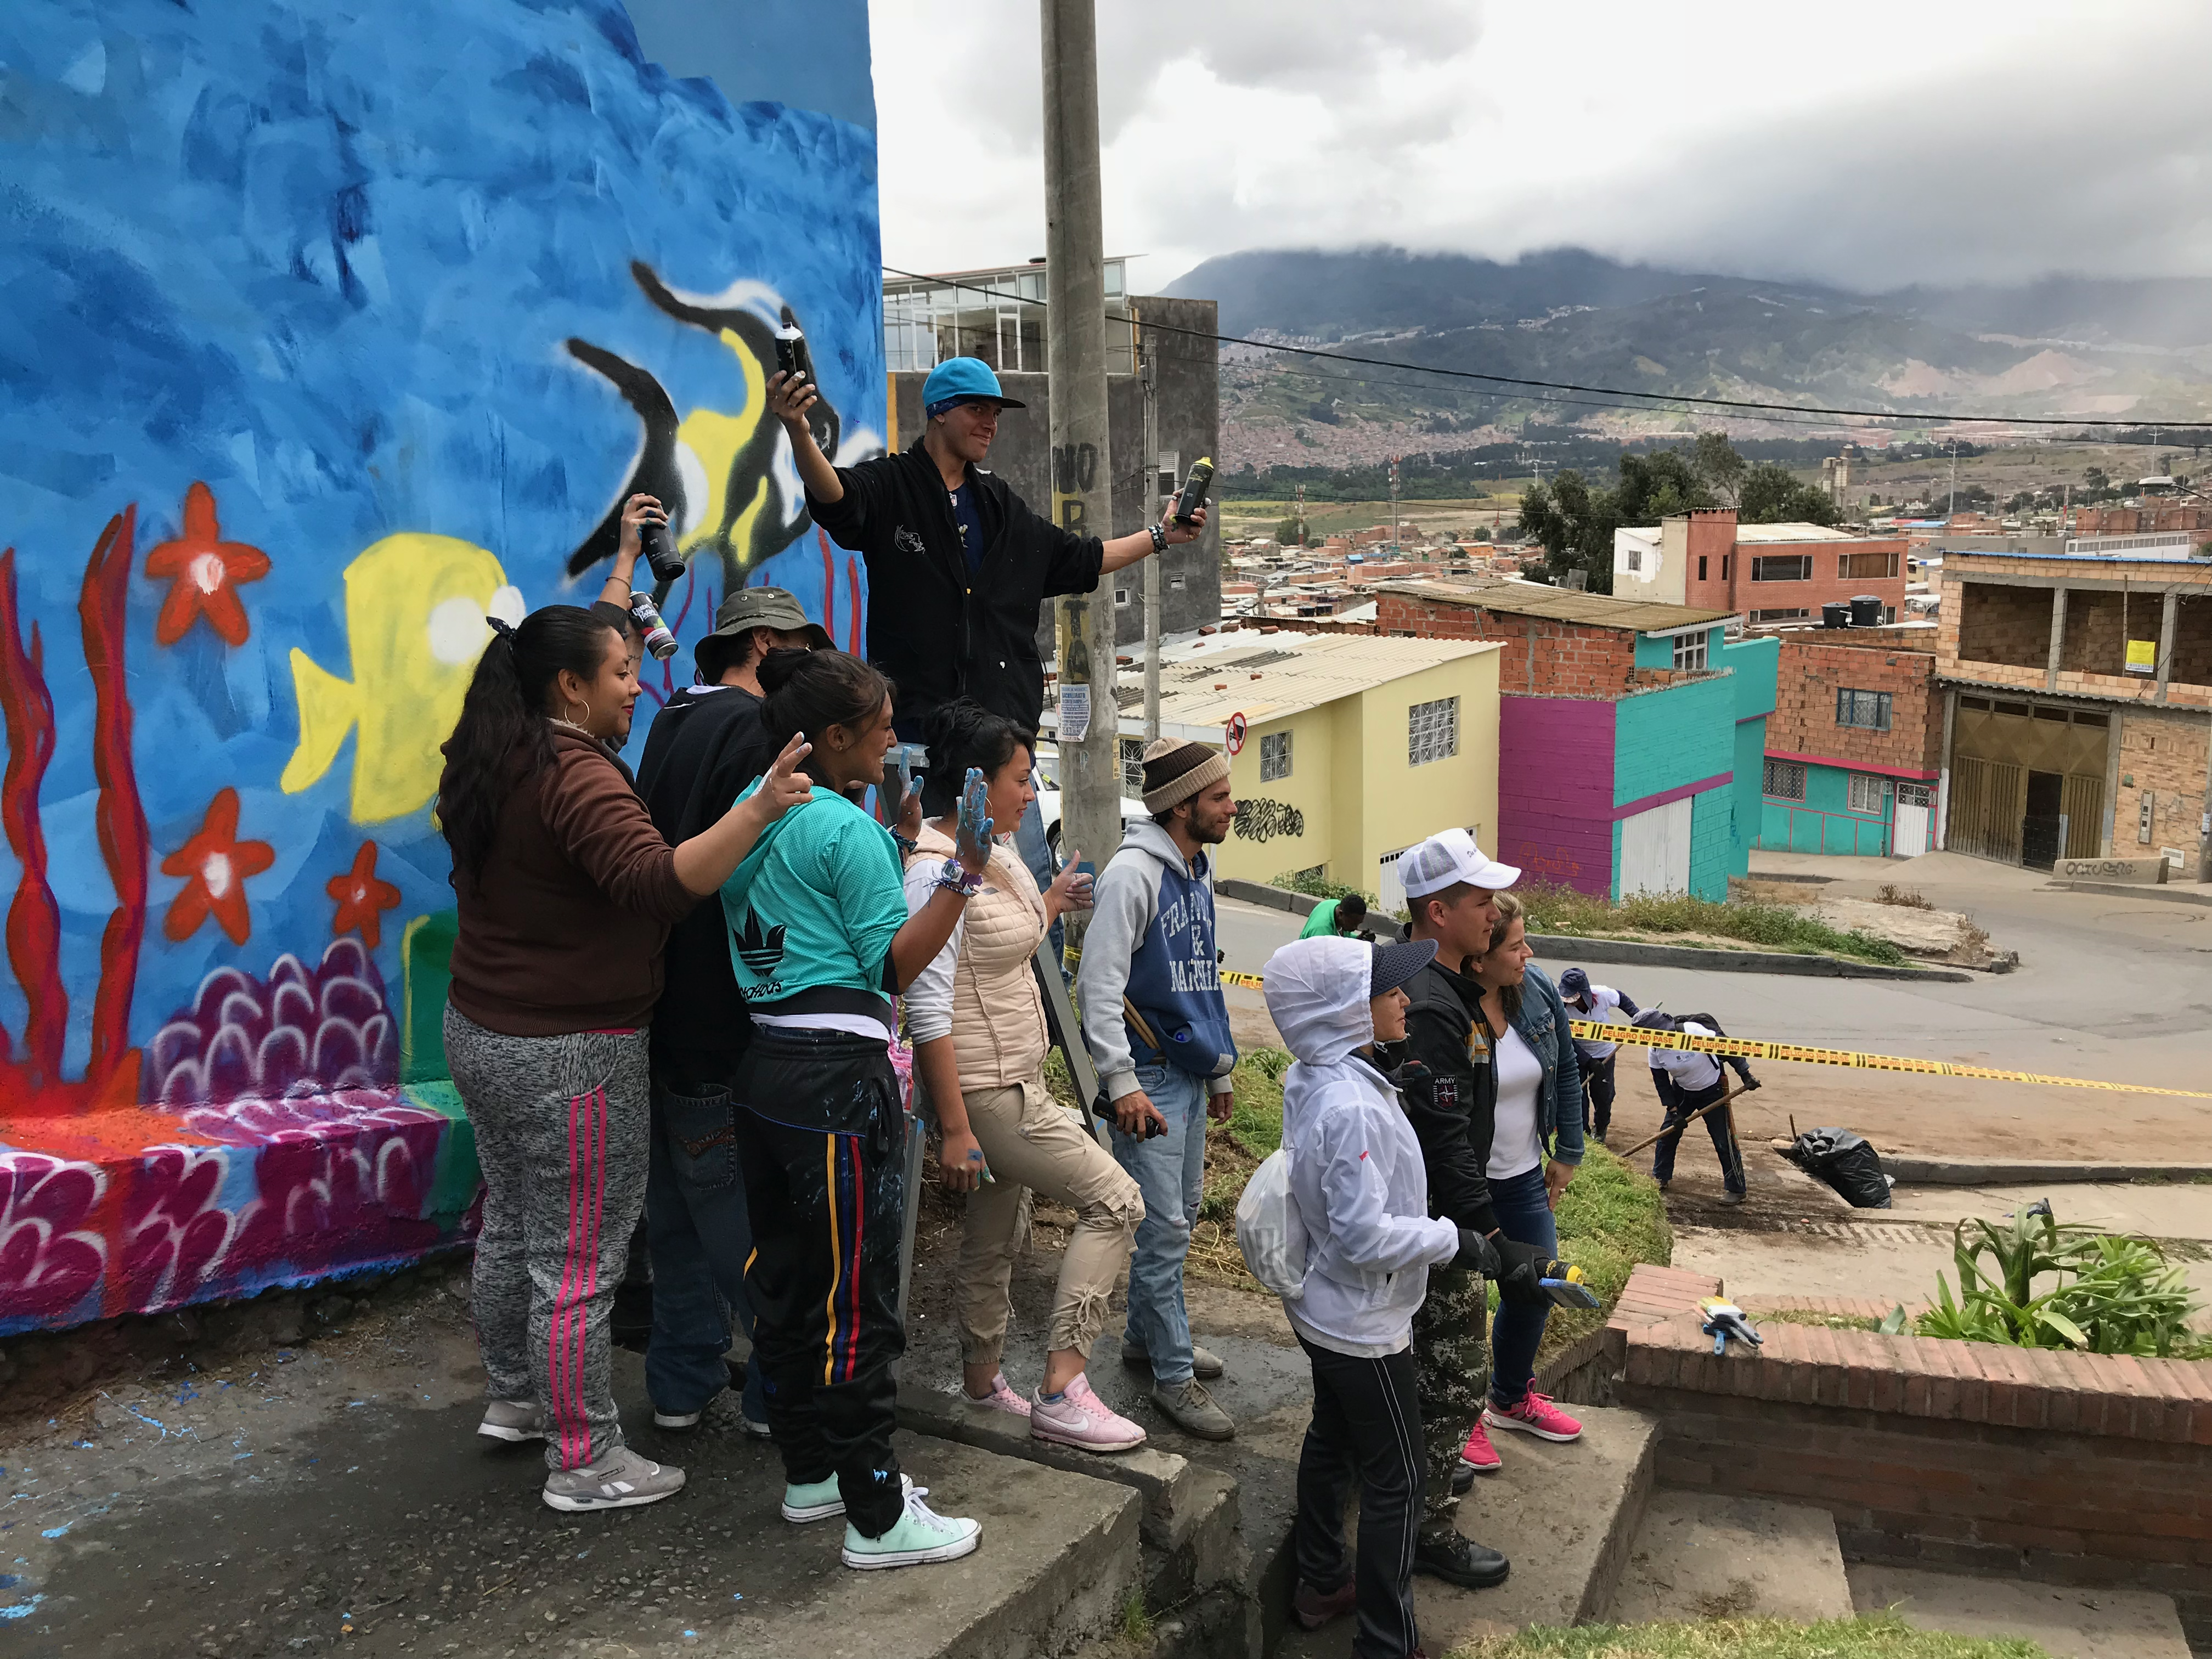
x,y
1706,1555
2067,1622
1565,1514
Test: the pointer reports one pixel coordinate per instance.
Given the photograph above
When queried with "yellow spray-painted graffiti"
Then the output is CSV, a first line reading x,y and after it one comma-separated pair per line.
x,y
415,605
715,439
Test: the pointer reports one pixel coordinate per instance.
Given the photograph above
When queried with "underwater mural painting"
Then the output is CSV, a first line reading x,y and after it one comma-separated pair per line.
x,y
334,329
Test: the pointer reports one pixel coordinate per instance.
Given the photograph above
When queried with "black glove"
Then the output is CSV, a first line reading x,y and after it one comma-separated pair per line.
x,y
1749,1082
1476,1255
1520,1266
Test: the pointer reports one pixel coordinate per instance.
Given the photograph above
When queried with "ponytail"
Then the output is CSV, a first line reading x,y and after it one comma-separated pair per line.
x,y
960,734
501,737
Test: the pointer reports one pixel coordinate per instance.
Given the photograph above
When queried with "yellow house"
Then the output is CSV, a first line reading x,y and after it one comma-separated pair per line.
x,y
1355,747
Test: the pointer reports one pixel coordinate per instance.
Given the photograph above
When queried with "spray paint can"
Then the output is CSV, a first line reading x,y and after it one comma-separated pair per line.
x,y
791,356
646,614
1193,489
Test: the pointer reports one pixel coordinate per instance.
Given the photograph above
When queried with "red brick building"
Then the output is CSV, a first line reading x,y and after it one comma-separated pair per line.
x,y
1784,572
1855,745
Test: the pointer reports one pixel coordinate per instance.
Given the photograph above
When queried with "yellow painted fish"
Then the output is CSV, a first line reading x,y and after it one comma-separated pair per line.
x,y
415,605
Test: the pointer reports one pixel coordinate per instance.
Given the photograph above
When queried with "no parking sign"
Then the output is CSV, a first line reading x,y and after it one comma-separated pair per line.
x,y
1237,725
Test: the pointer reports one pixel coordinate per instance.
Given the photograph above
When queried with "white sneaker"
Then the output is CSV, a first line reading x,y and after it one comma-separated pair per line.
x,y
920,1535
662,1420
620,1480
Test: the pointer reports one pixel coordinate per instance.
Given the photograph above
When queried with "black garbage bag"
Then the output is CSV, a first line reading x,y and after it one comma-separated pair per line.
x,y
1847,1162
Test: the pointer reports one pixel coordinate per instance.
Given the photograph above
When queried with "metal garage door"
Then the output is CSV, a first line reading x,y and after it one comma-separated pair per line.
x,y
1655,850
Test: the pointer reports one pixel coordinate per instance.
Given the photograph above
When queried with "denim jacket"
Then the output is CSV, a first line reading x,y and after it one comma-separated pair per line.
x,y
1542,1024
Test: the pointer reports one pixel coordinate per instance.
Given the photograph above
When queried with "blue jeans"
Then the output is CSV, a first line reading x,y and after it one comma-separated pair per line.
x,y
1524,1215
1030,843
694,1212
1169,1170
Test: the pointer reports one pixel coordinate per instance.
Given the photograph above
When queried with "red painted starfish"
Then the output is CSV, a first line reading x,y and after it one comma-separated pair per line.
x,y
204,572
362,899
215,864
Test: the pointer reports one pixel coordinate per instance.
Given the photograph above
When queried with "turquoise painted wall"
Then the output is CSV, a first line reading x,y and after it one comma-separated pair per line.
x,y
1712,824
1654,652
1747,806
1665,739
1823,822
1755,663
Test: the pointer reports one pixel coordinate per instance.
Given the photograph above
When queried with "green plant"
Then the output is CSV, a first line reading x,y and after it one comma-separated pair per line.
x,y
2111,1294
1909,898
1771,926
1875,1636
1314,886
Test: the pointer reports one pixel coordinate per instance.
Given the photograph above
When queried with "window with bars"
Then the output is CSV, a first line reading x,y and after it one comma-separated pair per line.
x,y
1867,709
1865,792
1782,567
1133,766
1689,651
1785,779
1432,731
1275,756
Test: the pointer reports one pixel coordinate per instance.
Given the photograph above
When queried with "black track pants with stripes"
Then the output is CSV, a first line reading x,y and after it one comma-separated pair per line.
x,y
822,1142
1366,1422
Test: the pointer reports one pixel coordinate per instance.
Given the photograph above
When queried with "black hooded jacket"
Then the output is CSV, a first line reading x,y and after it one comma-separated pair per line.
x,y
705,746
1450,1094
938,633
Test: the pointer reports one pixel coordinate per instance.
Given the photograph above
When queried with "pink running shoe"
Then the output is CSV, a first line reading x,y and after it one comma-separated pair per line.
x,y
1002,1398
1479,1454
1080,1418
1535,1415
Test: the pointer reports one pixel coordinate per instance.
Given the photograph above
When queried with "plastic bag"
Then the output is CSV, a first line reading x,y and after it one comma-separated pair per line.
x,y
1269,1231
1847,1162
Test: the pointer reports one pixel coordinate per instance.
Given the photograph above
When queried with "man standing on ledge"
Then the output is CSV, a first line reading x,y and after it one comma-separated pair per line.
x,y
1157,1029
959,565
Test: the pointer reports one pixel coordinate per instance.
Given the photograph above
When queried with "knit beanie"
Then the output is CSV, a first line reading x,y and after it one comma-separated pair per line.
x,y
1176,769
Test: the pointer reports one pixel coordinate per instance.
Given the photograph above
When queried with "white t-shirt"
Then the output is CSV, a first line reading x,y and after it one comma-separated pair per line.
x,y
1692,1071
1514,1146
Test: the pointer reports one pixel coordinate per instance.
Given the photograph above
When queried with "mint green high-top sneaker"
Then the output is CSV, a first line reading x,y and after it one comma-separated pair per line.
x,y
818,1500
920,1535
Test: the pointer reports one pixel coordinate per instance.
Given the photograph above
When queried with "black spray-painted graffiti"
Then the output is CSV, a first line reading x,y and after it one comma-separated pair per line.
x,y
1264,820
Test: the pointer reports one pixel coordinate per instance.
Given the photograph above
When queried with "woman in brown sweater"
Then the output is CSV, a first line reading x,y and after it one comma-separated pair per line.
x,y
567,892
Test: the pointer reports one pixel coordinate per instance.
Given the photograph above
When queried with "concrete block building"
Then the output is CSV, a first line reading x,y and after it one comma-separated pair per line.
x,y
1354,748
1854,747
1631,734
2078,705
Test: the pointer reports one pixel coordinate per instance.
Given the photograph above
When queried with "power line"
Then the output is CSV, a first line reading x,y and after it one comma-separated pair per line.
x,y
1888,417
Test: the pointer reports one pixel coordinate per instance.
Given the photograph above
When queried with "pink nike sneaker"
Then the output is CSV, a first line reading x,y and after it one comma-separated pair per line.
x,y
1535,1415
1479,1455
1080,1418
1002,1398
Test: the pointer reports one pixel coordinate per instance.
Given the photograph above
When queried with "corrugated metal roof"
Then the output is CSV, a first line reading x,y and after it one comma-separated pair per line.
x,y
1297,673
1561,604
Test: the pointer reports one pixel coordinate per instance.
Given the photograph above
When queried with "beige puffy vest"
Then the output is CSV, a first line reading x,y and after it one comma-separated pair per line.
x,y
998,1017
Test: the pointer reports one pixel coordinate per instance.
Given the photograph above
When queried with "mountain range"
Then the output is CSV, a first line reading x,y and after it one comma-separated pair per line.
x,y
2058,346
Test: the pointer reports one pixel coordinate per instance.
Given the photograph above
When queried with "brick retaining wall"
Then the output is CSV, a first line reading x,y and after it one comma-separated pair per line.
x,y
2078,1468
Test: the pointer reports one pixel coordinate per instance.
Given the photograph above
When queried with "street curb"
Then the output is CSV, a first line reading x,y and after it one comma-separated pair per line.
x,y
1647,956
1731,962
1947,1172
1275,898
2131,890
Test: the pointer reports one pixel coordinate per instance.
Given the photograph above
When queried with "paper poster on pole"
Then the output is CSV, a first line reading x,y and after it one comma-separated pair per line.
x,y
1074,713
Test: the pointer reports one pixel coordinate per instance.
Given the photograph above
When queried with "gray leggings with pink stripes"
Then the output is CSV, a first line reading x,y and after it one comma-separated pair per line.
x,y
560,1132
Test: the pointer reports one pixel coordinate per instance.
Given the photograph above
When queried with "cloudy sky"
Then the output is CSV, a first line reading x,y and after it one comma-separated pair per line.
x,y
1869,145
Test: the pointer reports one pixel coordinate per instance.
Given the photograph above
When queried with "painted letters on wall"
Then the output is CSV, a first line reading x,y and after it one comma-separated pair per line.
x,y
332,330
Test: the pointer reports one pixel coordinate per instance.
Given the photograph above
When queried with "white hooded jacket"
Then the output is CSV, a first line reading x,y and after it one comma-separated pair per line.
x,y
1355,1171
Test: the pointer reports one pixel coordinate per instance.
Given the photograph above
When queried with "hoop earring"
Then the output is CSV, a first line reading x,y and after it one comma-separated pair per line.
x,y
564,712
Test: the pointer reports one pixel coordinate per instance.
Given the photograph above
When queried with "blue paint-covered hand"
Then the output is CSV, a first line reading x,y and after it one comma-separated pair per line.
x,y
974,844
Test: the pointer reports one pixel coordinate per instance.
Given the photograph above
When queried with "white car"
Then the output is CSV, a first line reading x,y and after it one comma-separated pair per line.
x,y
1047,778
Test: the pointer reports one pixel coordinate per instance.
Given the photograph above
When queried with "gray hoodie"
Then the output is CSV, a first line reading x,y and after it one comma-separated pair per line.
x,y
1152,938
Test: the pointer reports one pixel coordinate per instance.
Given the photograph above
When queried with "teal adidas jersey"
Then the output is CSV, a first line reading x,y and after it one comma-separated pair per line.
x,y
816,902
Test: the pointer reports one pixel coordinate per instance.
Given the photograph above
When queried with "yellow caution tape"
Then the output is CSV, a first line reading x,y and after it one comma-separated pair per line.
x,y
1591,1030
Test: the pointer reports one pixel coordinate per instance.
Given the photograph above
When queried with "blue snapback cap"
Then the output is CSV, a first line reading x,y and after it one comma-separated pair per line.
x,y
958,380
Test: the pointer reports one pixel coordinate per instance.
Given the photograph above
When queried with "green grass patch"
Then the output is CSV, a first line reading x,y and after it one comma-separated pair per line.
x,y
1770,926
1877,1636
1826,1321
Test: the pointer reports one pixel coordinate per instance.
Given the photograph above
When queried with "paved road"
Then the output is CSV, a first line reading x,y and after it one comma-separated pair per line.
x,y
2108,988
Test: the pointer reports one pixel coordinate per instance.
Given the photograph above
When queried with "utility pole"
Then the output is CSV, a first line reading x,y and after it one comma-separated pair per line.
x,y
1082,468
1148,372
1952,510
1394,507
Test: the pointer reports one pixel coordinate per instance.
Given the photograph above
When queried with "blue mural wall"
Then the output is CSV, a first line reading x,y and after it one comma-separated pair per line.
x,y
331,329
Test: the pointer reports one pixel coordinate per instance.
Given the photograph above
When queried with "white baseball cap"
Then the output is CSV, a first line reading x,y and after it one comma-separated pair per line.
x,y
1450,857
